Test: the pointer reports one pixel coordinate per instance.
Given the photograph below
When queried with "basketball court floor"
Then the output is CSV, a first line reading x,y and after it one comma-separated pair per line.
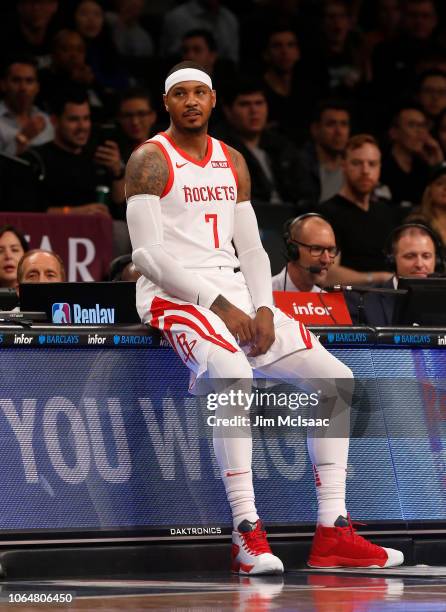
x,y
406,589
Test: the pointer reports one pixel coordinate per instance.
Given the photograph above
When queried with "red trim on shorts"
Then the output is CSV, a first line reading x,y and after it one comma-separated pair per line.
x,y
197,162
317,478
229,160
159,307
306,336
168,185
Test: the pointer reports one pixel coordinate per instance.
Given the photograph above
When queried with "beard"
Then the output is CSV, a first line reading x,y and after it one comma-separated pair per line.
x,y
359,190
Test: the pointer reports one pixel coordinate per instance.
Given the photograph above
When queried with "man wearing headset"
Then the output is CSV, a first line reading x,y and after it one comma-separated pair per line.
x,y
412,250
310,251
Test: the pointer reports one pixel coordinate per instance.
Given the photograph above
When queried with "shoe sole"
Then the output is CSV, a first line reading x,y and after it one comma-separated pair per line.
x,y
352,563
271,572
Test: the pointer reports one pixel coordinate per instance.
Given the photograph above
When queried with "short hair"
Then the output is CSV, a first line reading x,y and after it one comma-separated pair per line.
x,y
117,267
27,60
428,74
344,3
18,234
69,95
356,142
405,106
416,227
187,64
242,86
59,35
29,254
134,93
278,28
208,37
330,104
431,2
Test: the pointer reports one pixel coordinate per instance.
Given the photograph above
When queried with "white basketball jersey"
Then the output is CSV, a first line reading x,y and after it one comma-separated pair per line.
x,y
197,205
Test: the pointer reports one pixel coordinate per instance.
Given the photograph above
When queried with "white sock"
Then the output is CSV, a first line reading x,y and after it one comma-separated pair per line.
x,y
233,445
330,492
240,493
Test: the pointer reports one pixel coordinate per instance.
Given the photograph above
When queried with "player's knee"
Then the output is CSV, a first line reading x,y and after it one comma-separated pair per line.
x,y
334,368
343,371
222,364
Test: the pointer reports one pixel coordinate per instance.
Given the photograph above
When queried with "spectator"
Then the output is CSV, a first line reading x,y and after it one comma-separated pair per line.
x,y
413,152
290,95
130,38
255,26
360,222
208,14
440,131
433,204
40,266
76,174
388,18
394,61
69,68
21,123
432,95
338,58
136,119
102,55
200,46
271,158
310,250
123,269
412,251
13,245
30,30
434,60
320,170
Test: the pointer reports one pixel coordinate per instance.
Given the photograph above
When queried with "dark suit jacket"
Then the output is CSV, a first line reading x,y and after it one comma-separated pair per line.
x,y
378,308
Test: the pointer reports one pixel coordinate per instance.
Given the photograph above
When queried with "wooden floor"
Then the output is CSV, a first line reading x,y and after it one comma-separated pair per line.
x,y
419,589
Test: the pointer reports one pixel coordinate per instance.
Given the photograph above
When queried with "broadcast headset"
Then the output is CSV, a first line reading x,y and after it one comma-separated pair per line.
x,y
395,235
291,252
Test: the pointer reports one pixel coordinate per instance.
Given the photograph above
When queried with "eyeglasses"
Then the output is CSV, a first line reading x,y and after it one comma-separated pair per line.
x,y
142,114
316,249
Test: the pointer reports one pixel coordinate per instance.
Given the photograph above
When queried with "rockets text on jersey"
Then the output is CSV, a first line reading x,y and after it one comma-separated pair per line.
x,y
198,204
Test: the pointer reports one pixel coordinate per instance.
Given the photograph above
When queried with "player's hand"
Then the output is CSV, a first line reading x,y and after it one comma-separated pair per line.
x,y
238,322
264,332
108,155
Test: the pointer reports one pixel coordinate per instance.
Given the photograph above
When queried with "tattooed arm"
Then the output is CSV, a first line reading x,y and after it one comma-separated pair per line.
x,y
146,176
146,172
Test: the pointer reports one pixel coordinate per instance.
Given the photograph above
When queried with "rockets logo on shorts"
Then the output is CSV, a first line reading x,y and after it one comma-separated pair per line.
x,y
186,347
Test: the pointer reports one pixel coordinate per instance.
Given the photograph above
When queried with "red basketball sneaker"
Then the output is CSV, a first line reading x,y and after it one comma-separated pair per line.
x,y
251,553
341,546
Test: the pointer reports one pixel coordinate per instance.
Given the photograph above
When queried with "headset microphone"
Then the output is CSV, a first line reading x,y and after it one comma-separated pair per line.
x,y
310,269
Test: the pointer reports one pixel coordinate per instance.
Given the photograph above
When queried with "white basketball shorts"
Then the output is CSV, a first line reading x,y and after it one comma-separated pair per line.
x,y
192,329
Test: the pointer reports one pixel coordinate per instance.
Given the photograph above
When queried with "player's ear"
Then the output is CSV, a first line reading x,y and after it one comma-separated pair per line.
x,y
214,98
165,102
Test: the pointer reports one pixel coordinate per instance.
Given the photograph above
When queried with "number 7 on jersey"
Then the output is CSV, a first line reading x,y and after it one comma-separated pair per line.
x,y
213,218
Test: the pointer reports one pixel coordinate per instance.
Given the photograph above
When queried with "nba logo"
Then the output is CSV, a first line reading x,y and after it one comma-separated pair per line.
x,y
61,313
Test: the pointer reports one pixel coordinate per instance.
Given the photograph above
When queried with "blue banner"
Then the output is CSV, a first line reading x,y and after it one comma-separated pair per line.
x,y
109,439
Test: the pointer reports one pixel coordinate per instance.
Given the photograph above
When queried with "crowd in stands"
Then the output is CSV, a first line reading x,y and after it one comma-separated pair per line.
x,y
339,107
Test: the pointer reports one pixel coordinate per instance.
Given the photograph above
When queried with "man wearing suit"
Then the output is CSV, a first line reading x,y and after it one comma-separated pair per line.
x,y
412,251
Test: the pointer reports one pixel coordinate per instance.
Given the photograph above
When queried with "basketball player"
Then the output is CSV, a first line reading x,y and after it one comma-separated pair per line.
x,y
188,200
